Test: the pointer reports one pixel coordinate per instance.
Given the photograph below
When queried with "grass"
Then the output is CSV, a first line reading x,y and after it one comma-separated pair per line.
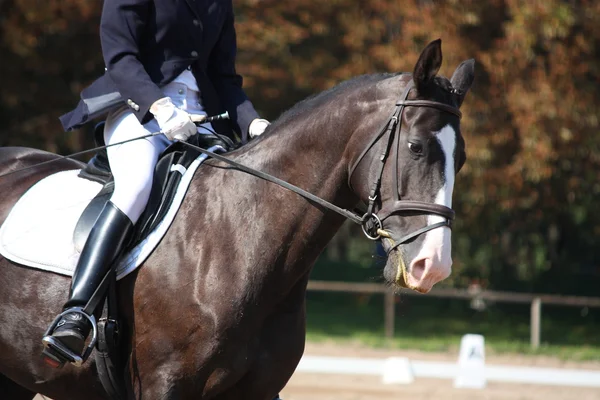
x,y
437,325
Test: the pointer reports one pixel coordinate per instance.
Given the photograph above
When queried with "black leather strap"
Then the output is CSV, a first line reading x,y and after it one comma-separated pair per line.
x,y
418,232
433,104
403,206
263,175
392,127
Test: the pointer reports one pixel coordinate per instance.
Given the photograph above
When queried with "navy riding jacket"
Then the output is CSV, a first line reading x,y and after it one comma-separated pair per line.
x,y
148,43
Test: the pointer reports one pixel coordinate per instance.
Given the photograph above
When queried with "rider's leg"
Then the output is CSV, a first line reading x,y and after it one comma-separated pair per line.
x,y
132,165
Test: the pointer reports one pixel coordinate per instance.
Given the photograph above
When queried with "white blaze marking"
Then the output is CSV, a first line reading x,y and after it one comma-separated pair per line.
x,y
447,139
437,241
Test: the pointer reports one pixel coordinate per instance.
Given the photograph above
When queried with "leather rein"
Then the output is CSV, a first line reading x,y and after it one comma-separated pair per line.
x,y
372,223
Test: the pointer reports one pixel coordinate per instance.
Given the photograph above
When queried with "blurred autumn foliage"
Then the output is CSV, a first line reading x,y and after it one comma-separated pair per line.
x,y
525,201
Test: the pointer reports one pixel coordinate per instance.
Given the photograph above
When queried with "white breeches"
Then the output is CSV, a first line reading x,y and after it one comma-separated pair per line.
x,y
132,164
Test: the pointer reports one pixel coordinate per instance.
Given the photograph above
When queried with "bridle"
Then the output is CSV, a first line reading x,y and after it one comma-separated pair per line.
x,y
372,223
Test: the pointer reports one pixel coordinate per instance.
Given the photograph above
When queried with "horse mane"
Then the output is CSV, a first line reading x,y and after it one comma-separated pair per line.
x,y
343,88
317,100
314,102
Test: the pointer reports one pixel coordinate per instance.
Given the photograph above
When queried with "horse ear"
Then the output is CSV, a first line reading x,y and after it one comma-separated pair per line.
x,y
428,65
462,79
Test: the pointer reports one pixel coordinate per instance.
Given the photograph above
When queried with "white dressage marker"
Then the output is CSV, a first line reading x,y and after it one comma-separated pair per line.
x,y
397,370
471,363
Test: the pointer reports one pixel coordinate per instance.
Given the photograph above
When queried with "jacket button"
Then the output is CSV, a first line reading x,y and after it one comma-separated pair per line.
x,y
180,91
194,53
196,22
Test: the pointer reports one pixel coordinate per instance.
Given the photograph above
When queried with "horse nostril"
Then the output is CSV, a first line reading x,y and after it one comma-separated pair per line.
x,y
418,268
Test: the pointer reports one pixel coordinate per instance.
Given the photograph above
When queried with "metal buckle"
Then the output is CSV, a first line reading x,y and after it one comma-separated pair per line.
x,y
377,222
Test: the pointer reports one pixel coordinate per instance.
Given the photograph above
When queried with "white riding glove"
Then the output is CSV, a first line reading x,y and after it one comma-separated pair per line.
x,y
174,123
257,127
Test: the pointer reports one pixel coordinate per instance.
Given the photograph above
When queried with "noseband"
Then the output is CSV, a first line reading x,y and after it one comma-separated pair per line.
x,y
372,223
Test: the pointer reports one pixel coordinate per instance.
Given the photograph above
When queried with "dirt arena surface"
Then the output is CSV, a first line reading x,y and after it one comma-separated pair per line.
x,y
309,386
304,386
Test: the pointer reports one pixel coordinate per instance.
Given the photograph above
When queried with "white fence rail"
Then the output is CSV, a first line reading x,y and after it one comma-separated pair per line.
x,y
447,370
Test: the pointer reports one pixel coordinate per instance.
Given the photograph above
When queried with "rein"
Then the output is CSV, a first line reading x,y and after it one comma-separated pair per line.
x,y
197,119
371,223
263,175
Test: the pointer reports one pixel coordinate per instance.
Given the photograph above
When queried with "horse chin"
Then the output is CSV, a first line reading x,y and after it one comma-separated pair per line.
x,y
395,267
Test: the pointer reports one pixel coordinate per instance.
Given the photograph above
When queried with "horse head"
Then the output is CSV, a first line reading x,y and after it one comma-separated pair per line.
x,y
416,157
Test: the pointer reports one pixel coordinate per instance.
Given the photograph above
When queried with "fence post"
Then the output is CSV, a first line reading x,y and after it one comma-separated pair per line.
x,y
389,306
536,322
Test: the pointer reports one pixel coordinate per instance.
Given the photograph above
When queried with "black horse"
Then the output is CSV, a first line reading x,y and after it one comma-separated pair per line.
x,y
217,311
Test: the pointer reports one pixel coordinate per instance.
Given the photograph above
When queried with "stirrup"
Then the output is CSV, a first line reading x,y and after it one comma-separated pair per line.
x,y
58,349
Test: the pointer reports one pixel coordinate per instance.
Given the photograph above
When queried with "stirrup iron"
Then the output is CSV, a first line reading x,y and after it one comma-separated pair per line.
x,y
60,350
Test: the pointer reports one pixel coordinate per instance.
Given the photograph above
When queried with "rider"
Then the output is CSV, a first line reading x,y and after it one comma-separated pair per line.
x,y
164,61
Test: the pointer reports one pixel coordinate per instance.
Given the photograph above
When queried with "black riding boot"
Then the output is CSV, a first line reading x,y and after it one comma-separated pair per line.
x,y
104,244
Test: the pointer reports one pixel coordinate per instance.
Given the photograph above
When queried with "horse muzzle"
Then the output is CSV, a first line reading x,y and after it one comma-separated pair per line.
x,y
431,265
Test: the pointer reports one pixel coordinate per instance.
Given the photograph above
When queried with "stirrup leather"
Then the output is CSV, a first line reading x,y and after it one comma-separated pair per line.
x,y
60,350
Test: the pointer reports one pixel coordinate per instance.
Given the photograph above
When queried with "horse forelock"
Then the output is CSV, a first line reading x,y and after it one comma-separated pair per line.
x,y
441,90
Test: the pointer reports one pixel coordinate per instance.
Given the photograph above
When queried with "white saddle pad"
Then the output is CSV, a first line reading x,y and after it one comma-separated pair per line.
x,y
38,232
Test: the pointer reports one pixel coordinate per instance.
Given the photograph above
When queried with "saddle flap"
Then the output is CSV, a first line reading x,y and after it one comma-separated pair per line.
x,y
165,182
46,223
90,215
98,168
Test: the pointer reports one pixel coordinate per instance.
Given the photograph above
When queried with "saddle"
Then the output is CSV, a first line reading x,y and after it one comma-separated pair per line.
x,y
167,174
173,163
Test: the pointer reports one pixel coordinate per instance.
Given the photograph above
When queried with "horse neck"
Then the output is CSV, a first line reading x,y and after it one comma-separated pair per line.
x,y
275,232
312,152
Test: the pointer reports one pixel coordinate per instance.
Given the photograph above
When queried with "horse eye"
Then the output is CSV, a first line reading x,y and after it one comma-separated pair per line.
x,y
416,148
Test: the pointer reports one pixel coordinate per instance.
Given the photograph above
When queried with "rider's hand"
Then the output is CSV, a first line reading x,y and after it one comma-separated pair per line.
x,y
257,127
174,123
